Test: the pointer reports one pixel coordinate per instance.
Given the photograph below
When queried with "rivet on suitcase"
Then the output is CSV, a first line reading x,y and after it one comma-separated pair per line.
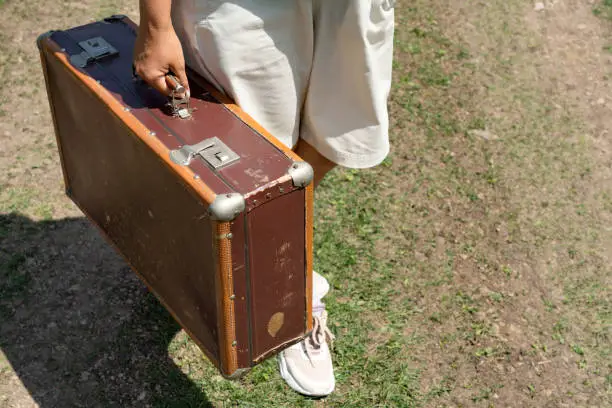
x,y
212,212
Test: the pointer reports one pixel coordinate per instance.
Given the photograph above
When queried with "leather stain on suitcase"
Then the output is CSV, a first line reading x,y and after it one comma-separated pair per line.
x,y
275,323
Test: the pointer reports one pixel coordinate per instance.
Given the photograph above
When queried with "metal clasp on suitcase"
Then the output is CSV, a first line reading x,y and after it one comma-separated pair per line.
x,y
176,102
94,49
213,151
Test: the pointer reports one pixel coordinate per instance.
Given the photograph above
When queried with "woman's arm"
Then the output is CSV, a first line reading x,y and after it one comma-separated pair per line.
x,y
158,50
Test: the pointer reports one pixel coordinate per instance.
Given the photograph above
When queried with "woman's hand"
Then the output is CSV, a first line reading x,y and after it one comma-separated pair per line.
x,y
158,50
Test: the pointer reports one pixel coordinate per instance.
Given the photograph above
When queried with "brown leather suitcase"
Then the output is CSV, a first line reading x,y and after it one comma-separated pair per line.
x,y
212,212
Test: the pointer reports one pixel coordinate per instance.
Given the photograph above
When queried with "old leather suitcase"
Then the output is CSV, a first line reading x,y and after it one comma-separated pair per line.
x,y
212,212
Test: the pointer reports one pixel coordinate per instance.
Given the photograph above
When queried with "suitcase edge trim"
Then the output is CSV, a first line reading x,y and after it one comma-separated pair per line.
x,y
225,298
43,60
309,249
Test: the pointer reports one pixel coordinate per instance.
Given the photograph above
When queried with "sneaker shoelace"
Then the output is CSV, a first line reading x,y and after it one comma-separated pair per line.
x,y
320,333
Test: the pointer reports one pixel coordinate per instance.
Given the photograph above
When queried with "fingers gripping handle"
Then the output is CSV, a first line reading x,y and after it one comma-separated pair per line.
x,y
179,97
176,85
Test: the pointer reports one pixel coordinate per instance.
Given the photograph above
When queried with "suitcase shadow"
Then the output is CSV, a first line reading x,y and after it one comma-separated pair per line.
x,y
76,325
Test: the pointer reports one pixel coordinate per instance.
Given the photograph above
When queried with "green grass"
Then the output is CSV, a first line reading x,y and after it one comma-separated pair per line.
x,y
604,9
27,200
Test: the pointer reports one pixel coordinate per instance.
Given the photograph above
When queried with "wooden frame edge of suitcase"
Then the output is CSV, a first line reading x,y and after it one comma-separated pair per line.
x,y
227,362
225,290
43,63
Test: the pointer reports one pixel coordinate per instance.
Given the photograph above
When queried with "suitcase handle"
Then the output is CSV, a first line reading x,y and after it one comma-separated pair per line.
x,y
178,87
174,101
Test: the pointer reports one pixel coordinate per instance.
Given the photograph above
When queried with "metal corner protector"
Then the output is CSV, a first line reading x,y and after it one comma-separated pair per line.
x,y
301,173
226,207
43,37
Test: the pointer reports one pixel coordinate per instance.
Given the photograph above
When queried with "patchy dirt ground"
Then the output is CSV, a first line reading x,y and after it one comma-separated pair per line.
x,y
481,279
546,74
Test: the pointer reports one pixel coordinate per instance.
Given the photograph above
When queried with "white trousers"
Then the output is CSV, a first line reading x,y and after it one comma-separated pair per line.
x,y
319,70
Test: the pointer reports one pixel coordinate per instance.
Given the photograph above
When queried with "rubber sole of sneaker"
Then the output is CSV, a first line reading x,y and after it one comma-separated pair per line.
x,y
284,372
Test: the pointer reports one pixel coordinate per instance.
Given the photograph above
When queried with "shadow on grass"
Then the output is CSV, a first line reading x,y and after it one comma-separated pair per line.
x,y
77,326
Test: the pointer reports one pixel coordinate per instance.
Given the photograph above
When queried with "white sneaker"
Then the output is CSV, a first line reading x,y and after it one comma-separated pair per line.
x,y
320,287
307,365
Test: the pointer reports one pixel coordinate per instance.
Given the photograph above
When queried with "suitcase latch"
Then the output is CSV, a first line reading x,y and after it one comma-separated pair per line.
x,y
94,49
213,151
